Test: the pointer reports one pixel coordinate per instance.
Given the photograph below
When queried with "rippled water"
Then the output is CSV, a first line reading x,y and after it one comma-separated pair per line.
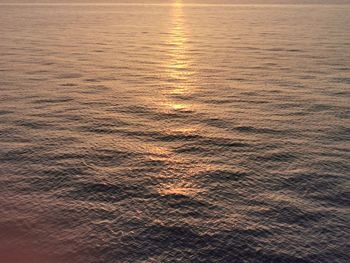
x,y
175,133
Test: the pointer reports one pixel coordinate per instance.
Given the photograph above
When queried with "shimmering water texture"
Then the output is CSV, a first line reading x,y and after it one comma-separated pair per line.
x,y
175,133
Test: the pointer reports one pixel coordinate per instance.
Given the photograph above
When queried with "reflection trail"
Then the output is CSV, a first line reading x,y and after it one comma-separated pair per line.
x,y
178,66
179,86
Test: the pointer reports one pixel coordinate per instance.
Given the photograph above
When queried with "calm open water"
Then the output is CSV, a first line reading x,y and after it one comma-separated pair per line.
x,y
175,133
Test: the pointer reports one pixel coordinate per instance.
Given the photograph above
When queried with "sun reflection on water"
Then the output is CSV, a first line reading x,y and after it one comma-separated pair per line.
x,y
179,188
178,87
178,65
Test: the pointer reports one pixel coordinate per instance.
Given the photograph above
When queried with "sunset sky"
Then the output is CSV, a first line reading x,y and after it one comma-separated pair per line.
x,y
187,1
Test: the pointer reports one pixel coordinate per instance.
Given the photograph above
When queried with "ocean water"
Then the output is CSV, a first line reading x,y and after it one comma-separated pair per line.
x,y
175,133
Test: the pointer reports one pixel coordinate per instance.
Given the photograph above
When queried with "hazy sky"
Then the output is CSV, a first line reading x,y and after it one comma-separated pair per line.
x,y
186,1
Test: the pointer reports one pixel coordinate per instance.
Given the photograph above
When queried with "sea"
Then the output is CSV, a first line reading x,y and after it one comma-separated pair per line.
x,y
174,132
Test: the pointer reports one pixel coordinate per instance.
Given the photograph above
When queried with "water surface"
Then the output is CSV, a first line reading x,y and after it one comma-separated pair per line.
x,y
176,133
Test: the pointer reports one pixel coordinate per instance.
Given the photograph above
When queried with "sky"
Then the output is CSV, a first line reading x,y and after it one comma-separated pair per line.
x,y
188,1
